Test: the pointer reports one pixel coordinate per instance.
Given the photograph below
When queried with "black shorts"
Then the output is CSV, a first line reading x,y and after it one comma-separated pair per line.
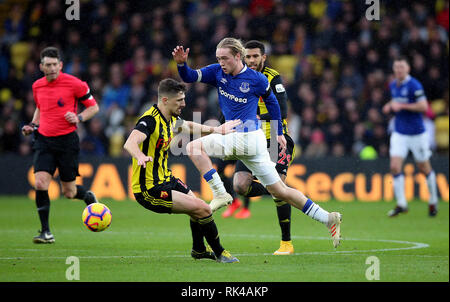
x,y
57,152
159,198
283,161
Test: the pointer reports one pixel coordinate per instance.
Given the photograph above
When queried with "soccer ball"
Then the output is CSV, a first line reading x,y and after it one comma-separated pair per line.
x,y
96,217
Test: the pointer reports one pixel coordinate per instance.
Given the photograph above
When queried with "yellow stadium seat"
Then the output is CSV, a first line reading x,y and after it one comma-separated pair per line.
x,y
438,106
20,52
442,131
285,65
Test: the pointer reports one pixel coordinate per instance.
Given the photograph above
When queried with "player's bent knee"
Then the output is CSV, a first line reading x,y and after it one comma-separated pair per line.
x,y
194,148
242,182
41,184
69,193
240,188
202,210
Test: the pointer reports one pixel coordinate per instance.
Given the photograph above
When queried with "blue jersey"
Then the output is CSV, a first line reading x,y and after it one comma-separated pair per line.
x,y
409,91
238,95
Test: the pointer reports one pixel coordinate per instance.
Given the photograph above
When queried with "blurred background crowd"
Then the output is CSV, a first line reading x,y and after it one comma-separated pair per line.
x,y
336,65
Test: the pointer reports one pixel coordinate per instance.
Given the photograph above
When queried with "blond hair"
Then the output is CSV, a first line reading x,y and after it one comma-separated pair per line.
x,y
235,45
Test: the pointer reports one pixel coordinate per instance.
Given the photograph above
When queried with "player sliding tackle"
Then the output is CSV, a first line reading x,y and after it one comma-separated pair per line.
x,y
154,186
239,89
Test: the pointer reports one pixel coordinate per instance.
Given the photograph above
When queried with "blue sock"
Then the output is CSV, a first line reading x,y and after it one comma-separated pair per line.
x,y
315,212
209,175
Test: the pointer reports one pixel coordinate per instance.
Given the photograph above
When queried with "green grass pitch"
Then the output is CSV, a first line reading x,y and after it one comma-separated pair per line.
x,y
144,246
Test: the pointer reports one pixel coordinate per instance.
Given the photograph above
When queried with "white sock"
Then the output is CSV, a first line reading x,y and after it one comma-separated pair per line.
x,y
399,190
431,182
215,183
315,212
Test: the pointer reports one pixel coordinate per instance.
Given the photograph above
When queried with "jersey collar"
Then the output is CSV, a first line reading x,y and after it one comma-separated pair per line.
x,y
160,113
406,80
242,71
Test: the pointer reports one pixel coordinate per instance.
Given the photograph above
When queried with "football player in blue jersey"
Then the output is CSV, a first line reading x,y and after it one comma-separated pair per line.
x,y
239,89
408,103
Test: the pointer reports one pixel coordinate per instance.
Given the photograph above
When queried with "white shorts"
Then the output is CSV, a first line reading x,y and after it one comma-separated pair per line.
x,y
401,144
248,147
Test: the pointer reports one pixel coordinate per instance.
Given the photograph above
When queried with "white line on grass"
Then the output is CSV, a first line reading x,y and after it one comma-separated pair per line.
x,y
413,245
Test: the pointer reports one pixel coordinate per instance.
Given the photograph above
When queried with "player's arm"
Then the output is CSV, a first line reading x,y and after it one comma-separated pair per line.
x,y
420,106
144,127
280,93
189,75
274,110
192,127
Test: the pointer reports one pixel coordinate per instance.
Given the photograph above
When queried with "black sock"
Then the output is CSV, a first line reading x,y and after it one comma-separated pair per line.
x,y
81,194
246,202
228,184
197,237
43,208
211,234
284,219
256,189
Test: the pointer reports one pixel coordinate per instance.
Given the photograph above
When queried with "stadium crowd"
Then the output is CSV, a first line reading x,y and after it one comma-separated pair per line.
x,y
335,63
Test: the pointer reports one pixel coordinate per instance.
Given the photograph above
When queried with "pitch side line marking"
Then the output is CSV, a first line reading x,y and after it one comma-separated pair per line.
x,y
415,245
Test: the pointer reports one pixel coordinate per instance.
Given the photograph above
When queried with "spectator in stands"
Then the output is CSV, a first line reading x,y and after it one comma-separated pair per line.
x,y
338,54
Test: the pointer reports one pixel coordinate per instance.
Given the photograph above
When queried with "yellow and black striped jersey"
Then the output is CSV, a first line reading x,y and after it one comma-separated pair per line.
x,y
280,93
159,133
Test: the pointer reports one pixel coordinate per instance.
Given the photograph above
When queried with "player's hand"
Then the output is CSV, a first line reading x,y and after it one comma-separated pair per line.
x,y
142,160
396,107
180,55
387,108
71,117
27,130
282,142
227,127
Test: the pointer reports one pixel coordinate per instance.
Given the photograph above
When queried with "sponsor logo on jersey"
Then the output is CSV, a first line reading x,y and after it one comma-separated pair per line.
x,y
232,97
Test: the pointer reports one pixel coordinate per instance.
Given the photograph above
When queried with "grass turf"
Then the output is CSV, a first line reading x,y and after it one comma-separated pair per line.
x,y
144,246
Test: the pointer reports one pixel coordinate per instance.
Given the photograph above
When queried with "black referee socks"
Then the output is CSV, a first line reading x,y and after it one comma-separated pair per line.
x,y
81,193
43,208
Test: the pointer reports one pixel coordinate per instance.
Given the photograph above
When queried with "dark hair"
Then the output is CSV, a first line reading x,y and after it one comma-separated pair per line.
x,y
401,58
171,87
51,52
256,44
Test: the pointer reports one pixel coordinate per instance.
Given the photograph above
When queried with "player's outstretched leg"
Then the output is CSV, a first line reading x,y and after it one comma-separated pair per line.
x,y
332,220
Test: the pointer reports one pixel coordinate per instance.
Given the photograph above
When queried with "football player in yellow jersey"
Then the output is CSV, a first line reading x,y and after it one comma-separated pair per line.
x,y
243,181
153,184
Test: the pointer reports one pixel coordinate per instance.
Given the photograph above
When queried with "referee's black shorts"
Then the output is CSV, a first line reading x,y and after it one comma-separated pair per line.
x,y
60,152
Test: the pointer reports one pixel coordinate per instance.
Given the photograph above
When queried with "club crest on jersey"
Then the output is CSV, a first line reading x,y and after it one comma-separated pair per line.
x,y
245,87
224,81
60,102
